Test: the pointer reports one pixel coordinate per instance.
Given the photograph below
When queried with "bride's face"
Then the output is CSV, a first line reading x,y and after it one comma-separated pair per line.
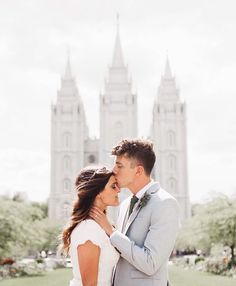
x,y
109,196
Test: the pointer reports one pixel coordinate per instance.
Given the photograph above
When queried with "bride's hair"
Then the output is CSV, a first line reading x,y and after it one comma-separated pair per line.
x,y
89,183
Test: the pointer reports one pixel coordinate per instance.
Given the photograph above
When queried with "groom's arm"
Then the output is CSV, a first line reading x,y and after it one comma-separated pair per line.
x,y
158,243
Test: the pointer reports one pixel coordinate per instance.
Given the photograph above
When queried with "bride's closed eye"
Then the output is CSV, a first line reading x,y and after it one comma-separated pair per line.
x,y
114,186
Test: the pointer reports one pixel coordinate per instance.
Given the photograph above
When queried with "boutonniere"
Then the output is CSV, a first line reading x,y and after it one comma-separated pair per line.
x,y
144,200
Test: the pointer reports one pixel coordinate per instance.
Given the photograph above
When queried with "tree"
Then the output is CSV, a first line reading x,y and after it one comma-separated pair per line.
x,y
43,206
222,224
194,235
24,229
213,222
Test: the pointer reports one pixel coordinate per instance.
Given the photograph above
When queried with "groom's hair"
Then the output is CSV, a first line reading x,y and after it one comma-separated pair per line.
x,y
138,149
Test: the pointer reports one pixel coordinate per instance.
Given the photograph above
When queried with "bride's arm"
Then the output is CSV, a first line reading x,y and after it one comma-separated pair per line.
x,y
88,257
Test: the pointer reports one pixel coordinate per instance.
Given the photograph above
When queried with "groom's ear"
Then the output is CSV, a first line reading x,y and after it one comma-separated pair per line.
x,y
140,170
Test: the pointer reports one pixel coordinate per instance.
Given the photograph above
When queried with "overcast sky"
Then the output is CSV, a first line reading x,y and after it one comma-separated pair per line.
x,y
199,37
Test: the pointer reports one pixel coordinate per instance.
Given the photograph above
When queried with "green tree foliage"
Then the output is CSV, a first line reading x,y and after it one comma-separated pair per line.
x,y
193,234
212,222
25,229
222,225
42,206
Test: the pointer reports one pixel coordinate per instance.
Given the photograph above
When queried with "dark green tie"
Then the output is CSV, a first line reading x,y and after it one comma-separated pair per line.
x,y
132,203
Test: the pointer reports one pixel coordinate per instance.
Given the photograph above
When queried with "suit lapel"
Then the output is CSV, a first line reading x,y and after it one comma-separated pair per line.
x,y
125,218
131,217
153,189
123,215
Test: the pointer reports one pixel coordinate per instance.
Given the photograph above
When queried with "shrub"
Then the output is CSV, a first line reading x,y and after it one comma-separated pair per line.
x,y
18,269
198,259
216,265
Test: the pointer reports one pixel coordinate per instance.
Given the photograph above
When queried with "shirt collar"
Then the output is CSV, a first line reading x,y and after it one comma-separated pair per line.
x,y
140,193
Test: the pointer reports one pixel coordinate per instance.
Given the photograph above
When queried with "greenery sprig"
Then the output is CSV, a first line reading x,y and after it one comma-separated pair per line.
x,y
144,200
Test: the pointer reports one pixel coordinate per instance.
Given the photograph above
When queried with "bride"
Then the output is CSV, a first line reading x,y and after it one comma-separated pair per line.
x,y
92,255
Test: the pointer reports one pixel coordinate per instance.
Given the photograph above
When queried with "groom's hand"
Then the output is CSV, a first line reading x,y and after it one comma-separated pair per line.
x,y
101,218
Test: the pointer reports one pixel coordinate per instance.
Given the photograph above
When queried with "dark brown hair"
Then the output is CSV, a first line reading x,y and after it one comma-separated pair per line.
x,y
89,183
138,149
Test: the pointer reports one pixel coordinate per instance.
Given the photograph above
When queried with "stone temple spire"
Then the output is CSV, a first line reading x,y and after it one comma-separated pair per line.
x,y
68,83
167,73
118,60
68,73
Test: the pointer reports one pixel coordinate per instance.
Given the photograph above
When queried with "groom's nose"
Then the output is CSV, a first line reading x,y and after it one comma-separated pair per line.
x,y
114,170
117,189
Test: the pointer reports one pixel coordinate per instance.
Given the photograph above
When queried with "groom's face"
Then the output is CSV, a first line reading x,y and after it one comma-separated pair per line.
x,y
125,171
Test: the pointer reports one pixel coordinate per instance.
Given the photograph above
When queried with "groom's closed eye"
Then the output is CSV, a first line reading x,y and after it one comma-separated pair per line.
x,y
118,165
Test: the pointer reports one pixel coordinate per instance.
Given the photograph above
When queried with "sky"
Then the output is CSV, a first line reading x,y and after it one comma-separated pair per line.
x,y
199,38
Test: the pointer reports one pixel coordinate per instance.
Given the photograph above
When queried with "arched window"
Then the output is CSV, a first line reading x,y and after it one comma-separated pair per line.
x,y
171,140
172,186
66,185
67,140
91,159
171,162
67,163
66,209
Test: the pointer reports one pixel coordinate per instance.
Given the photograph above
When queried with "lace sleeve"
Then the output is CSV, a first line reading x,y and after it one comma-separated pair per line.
x,y
88,230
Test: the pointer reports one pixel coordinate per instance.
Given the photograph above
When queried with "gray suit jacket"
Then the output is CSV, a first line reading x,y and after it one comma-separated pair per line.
x,y
146,239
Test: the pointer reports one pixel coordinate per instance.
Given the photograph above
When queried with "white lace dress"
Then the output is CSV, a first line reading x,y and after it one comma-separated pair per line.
x,y
90,230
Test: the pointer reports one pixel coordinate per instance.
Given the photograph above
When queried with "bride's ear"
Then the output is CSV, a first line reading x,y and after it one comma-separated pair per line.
x,y
98,196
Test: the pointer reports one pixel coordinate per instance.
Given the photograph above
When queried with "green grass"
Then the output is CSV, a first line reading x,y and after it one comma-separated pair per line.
x,y
178,277
60,277
181,277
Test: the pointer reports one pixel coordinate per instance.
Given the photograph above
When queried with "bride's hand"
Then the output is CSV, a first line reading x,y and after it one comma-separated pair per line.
x,y
101,218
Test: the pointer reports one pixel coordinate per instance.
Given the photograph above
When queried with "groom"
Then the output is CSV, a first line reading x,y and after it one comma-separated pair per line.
x,y
148,221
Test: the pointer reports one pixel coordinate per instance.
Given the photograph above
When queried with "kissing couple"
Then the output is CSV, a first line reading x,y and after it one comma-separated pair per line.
x,y
135,252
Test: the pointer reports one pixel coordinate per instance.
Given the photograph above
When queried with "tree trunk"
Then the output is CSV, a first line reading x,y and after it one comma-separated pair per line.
x,y
232,252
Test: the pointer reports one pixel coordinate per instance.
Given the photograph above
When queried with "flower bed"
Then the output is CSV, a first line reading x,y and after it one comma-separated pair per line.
x,y
18,269
215,265
30,267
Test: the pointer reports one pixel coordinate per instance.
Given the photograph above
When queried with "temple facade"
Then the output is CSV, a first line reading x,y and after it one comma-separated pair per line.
x,y
72,148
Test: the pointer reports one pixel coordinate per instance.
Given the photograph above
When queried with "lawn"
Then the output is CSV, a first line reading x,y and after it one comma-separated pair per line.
x,y
60,277
178,277
181,277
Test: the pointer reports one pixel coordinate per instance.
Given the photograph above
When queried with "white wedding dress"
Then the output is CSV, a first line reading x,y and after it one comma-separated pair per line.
x,y
90,230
